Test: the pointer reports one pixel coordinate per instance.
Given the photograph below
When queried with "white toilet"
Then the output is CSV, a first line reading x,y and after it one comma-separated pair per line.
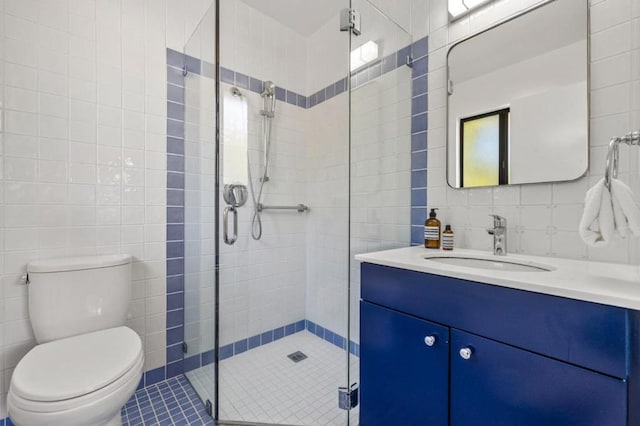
x,y
87,364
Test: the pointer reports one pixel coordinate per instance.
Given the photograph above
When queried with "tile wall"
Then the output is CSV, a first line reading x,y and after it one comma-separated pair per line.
x,y
381,163
542,218
83,158
256,295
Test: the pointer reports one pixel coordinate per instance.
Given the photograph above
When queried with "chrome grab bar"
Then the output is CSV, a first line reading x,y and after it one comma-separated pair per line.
x,y
301,208
225,224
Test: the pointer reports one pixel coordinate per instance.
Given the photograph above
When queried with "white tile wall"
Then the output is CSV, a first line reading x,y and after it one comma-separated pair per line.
x,y
380,165
542,218
262,283
380,172
199,194
82,124
258,45
327,229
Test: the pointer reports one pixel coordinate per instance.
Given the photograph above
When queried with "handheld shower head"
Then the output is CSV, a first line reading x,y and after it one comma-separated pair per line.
x,y
269,89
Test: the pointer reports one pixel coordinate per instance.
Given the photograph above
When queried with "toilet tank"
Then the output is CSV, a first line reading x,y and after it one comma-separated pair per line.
x,y
77,295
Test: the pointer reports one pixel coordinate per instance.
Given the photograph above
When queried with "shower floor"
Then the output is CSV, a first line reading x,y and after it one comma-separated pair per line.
x,y
264,386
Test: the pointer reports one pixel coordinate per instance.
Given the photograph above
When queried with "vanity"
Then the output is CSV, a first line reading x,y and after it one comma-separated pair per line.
x,y
469,338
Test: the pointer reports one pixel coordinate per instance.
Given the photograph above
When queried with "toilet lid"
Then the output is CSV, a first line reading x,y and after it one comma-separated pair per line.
x,y
75,366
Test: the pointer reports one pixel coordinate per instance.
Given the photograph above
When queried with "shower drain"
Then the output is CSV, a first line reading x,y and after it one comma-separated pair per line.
x,y
297,356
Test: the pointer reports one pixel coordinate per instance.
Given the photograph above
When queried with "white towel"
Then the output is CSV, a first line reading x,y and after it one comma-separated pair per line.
x,y
609,213
625,209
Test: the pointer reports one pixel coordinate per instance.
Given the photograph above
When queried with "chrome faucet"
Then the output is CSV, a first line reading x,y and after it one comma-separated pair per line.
x,y
499,232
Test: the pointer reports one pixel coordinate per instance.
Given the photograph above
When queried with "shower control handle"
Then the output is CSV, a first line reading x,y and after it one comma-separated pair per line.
x,y
225,225
235,194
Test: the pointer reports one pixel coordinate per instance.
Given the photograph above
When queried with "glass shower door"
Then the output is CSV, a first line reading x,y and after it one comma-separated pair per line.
x,y
314,166
199,148
383,64
283,276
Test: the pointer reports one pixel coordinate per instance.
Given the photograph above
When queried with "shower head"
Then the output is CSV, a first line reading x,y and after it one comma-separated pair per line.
x,y
269,89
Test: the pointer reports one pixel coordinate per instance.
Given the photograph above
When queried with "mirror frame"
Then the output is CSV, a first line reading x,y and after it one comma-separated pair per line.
x,y
588,94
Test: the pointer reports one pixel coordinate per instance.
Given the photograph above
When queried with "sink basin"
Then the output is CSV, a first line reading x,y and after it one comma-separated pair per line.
x,y
491,263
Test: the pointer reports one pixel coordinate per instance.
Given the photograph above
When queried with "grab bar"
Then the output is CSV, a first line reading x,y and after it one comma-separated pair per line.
x,y
225,225
301,208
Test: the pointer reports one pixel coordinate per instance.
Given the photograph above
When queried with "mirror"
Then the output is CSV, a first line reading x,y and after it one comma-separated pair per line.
x,y
517,109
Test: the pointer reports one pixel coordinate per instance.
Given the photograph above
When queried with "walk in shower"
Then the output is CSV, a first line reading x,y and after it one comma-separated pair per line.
x,y
297,147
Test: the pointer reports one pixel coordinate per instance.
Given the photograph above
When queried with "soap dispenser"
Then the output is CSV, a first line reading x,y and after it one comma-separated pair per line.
x,y
432,231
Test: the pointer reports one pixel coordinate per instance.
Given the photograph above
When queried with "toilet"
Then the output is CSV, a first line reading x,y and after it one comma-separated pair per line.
x,y
86,364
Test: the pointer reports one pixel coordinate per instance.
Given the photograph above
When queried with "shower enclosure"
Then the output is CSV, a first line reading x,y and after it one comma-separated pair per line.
x,y
297,148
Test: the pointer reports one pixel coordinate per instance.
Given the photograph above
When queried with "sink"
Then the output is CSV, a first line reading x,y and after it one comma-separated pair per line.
x,y
490,263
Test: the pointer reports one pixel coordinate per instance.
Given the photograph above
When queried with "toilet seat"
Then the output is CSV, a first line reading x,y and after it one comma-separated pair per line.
x,y
94,401
76,366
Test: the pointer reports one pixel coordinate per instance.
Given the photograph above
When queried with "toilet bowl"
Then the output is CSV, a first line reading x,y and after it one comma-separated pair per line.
x,y
77,381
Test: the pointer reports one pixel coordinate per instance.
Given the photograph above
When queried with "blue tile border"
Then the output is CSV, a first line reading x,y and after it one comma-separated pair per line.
x,y
236,348
177,63
333,338
419,141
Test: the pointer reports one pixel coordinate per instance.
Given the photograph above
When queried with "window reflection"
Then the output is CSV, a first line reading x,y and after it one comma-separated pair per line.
x,y
484,149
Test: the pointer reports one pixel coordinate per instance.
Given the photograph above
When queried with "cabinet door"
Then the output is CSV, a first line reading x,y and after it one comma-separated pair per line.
x,y
404,375
502,385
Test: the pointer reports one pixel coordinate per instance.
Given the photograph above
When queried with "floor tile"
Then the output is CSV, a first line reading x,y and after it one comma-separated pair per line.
x,y
263,385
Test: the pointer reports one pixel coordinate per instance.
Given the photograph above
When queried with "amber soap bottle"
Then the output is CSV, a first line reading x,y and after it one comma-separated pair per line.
x,y
432,231
447,238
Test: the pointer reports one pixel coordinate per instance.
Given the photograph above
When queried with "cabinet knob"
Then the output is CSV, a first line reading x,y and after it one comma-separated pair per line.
x,y
465,353
430,340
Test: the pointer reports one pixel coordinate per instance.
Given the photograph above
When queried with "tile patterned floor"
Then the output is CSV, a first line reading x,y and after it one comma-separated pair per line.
x,y
264,386
169,403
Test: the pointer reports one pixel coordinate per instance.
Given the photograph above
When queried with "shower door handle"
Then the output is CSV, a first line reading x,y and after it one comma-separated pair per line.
x,y
225,225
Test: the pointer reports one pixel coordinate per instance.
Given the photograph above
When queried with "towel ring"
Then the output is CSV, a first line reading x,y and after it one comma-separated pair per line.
x,y
613,155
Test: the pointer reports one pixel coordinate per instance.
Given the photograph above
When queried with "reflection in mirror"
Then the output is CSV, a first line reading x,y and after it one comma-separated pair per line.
x,y
484,148
517,106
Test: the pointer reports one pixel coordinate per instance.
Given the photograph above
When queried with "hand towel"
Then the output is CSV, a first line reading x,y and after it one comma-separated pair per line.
x,y
608,213
597,226
625,209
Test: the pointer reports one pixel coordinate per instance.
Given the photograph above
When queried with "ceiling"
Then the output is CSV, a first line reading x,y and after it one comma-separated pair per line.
x,y
303,16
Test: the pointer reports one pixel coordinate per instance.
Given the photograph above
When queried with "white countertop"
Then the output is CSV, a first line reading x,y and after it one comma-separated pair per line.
x,y
599,282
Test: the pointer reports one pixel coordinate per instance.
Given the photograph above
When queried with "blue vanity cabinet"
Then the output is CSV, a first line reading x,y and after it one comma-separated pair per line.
x,y
501,385
406,365
530,358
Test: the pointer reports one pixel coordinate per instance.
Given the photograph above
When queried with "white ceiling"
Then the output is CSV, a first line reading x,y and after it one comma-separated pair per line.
x,y
303,16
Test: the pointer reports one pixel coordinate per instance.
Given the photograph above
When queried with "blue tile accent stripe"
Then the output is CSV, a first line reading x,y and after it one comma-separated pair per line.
x,y
176,63
333,337
243,345
236,348
419,124
361,76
